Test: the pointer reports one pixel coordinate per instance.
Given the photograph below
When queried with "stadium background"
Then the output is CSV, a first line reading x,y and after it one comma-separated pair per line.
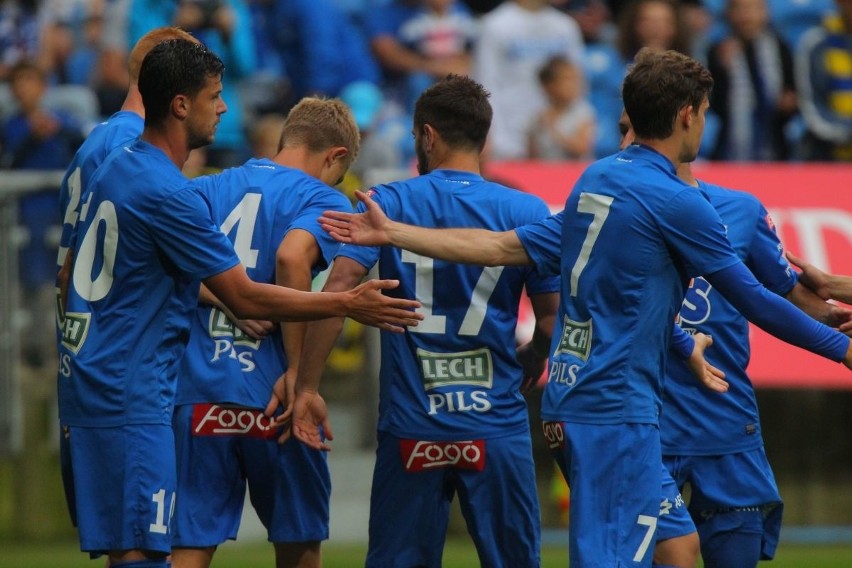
x,y
804,400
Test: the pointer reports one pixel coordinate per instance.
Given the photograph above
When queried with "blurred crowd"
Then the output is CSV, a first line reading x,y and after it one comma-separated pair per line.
x,y
783,72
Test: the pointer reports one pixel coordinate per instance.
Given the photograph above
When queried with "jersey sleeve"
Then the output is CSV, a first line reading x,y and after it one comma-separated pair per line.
x,y
184,230
366,256
323,200
765,257
543,242
694,230
536,282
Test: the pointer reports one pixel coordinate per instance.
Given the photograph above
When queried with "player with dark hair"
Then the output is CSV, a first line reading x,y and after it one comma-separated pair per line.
x,y
629,238
269,209
705,437
146,237
452,419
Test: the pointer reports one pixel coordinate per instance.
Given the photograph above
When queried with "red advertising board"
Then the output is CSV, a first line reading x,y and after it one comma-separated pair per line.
x,y
811,206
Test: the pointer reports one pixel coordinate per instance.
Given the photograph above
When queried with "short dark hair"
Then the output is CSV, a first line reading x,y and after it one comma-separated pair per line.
x,y
658,85
552,66
457,108
174,67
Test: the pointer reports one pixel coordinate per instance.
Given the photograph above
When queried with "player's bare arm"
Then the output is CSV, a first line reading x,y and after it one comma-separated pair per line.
x,y
365,304
828,313
711,377
822,283
469,246
309,412
296,256
256,329
533,355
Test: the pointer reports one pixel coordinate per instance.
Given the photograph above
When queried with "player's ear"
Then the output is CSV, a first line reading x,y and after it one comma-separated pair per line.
x,y
429,135
686,116
335,154
180,106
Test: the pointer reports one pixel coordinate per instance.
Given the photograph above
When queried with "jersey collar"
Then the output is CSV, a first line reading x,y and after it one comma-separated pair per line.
x,y
641,151
457,176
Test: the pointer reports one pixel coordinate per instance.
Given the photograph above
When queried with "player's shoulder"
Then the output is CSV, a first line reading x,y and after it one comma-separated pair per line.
x,y
723,195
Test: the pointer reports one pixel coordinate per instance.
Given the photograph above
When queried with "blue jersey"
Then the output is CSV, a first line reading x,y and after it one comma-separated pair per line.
x,y
696,421
119,129
455,375
256,205
632,234
145,239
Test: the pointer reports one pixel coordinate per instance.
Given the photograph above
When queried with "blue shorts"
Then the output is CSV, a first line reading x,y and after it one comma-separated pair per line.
x,y
674,519
414,482
289,485
120,485
614,474
719,499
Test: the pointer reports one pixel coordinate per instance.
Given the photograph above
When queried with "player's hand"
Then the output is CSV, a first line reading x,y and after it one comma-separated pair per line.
x,y
811,276
369,228
310,421
840,317
369,306
532,366
710,376
256,329
283,396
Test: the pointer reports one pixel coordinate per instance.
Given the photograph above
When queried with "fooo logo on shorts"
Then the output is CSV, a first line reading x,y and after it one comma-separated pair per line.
x,y
422,455
554,434
215,420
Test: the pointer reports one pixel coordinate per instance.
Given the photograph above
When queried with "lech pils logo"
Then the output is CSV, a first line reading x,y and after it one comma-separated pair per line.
x,y
463,368
575,339
75,328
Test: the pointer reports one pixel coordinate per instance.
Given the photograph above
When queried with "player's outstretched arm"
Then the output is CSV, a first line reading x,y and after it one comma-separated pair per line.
x,y
365,304
777,316
470,246
256,329
828,313
822,283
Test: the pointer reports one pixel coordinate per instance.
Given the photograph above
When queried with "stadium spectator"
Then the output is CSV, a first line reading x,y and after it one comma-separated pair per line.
x,y
754,92
290,485
657,24
19,35
457,379
823,60
224,26
515,40
565,130
127,319
738,518
36,137
603,397
321,50
603,68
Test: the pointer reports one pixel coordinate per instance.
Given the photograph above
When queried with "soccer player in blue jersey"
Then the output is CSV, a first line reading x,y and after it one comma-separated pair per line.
x,y
269,210
705,437
452,420
146,237
630,237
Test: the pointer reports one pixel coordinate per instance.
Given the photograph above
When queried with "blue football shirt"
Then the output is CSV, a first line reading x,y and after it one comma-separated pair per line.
x,y
256,205
696,421
455,375
146,238
632,234
119,129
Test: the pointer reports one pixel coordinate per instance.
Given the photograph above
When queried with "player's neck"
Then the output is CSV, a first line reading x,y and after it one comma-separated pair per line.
x,y
300,158
684,172
172,141
456,160
133,101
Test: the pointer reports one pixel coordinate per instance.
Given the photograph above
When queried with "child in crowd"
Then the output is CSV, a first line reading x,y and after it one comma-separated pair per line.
x,y
565,130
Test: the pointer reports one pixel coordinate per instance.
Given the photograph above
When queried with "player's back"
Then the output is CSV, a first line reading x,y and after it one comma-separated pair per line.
x,y
629,227
694,421
455,374
121,128
256,205
144,242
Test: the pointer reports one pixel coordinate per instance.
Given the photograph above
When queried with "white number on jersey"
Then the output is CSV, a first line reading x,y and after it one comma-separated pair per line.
x,y
423,290
160,526
651,524
244,216
94,289
597,205
70,218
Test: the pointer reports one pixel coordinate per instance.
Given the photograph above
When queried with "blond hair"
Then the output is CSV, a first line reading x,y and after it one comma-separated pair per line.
x,y
147,42
320,124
